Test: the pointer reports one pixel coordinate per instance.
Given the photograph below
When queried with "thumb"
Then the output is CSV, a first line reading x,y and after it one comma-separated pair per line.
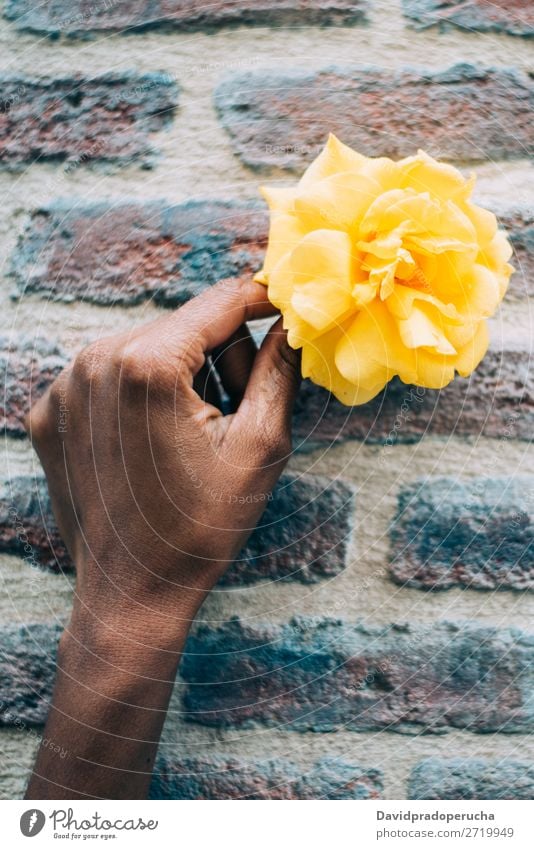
x,y
272,388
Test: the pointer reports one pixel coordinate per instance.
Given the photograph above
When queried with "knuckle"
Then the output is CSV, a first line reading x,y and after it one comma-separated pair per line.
x,y
132,364
139,366
88,364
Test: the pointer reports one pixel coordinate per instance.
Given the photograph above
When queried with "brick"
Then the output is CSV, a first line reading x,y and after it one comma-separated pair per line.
x,y
124,254
127,253
234,778
497,400
28,366
327,675
519,224
27,525
514,17
281,120
78,120
471,778
27,669
475,533
304,534
76,19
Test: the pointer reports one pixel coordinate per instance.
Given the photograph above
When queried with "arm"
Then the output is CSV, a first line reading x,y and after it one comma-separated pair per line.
x,y
143,480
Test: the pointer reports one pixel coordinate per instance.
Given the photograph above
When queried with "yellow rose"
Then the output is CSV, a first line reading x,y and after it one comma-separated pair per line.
x,y
383,268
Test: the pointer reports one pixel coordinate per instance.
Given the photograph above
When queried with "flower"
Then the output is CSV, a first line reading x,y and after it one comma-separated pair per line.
x,y
383,268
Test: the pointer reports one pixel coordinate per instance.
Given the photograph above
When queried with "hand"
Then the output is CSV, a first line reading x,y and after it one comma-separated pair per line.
x,y
155,492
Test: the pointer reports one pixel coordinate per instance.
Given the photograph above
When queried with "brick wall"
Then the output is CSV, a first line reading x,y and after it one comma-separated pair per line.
x,y
388,587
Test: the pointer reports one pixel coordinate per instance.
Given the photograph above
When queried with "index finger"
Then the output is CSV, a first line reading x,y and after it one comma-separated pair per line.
x,y
212,317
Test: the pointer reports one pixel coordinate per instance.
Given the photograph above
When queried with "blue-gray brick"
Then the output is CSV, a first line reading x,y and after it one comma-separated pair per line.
x,y
221,777
27,669
472,778
327,675
475,533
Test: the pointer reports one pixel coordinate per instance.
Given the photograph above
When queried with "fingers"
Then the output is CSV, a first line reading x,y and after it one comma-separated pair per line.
x,y
206,386
234,361
270,395
210,319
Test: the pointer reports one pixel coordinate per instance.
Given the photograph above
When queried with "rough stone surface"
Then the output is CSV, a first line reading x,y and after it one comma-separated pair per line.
x,y
477,533
27,669
27,367
27,525
497,400
233,778
77,120
281,120
470,778
514,17
126,253
519,225
304,534
326,675
77,18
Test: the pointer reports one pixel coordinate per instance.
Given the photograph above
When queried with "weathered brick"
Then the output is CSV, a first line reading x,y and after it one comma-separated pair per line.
x,y
281,120
27,669
75,18
235,778
326,675
474,533
28,366
497,400
519,224
514,17
77,120
304,534
471,778
127,253
27,525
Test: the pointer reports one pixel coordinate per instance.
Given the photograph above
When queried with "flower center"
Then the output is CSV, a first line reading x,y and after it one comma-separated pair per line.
x,y
416,281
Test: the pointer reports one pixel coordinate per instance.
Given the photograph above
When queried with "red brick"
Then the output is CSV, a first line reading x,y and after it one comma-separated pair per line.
x,y
79,120
76,18
514,17
281,120
28,366
130,252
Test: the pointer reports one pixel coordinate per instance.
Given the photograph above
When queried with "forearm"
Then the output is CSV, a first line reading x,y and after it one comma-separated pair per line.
x,y
112,690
